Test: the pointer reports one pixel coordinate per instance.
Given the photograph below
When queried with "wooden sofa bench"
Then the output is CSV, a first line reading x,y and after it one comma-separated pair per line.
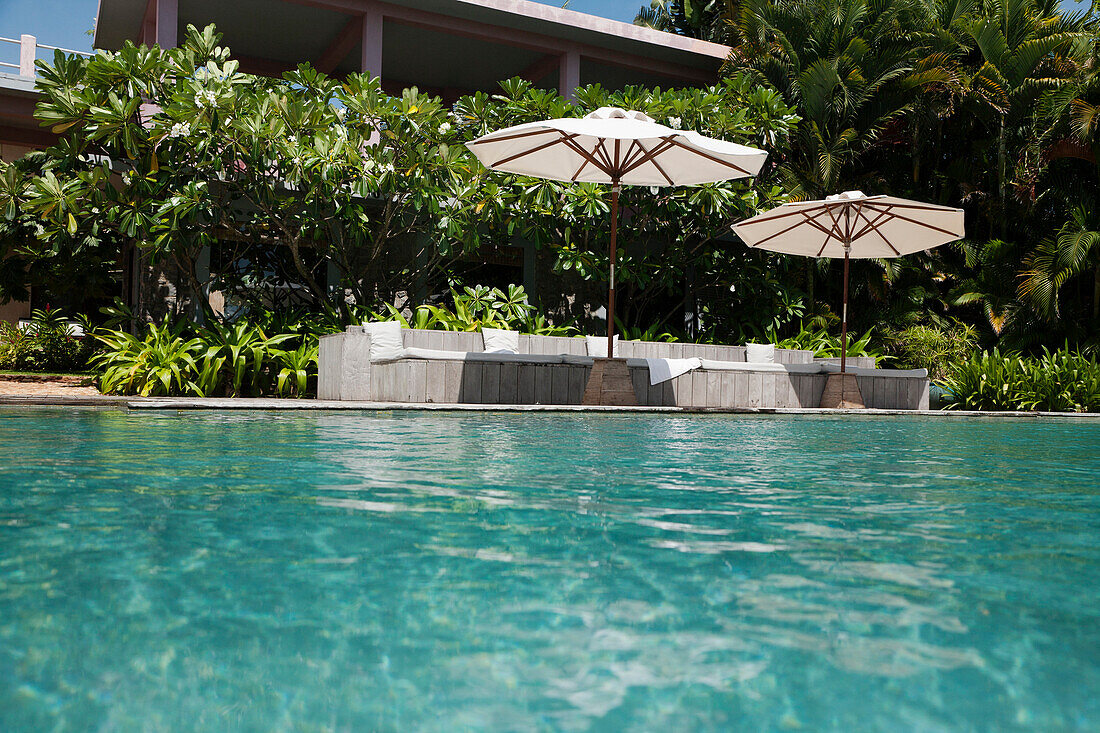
x,y
552,370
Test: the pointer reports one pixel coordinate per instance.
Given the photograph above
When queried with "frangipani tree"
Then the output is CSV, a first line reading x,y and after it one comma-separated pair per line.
x,y
176,149
668,235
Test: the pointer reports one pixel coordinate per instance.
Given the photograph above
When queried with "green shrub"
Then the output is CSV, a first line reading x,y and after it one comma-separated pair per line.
x,y
45,345
160,363
1058,381
237,360
825,343
241,352
479,307
299,368
932,348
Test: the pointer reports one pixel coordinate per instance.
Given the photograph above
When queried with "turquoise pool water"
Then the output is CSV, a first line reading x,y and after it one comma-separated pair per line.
x,y
405,571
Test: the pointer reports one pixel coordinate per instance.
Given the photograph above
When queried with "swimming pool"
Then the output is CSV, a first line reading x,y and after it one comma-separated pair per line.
x,y
422,571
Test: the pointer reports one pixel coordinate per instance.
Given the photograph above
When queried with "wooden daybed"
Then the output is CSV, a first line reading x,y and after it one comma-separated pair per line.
x,y
451,367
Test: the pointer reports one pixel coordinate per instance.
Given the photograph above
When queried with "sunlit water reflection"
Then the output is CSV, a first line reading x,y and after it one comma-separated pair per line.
x,y
404,571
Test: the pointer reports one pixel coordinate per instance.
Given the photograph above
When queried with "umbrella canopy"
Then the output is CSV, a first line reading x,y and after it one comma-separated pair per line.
x,y
619,147
852,225
614,145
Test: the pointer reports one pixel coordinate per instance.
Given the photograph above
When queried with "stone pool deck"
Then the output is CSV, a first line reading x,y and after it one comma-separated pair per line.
x,y
274,404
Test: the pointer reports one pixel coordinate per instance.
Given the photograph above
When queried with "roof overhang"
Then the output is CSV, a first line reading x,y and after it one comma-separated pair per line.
x,y
274,29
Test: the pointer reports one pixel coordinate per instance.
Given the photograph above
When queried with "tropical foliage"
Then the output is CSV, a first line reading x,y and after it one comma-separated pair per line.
x,y
275,353
306,202
932,347
309,191
668,236
177,150
48,343
475,308
235,360
1062,381
986,104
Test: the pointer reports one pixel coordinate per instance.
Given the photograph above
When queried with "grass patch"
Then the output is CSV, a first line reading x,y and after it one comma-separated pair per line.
x,y
46,375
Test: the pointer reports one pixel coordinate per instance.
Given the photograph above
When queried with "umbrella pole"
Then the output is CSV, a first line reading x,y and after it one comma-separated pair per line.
x,y
611,282
844,317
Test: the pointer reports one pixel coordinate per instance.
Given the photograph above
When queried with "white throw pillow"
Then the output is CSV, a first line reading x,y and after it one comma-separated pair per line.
x,y
386,342
597,345
500,341
760,353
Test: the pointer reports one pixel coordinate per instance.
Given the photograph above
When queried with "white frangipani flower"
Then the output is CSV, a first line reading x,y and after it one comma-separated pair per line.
x,y
674,122
444,128
180,129
206,98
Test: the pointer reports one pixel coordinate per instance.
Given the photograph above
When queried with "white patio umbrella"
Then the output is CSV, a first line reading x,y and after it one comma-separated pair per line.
x,y
852,225
616,146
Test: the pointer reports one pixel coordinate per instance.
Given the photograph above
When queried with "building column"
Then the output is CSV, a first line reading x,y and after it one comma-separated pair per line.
x,y
371,62
28,52
569,74
167,21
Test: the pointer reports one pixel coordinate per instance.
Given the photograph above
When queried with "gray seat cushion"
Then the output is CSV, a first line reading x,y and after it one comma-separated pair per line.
x,y
862,372
748,366
414,352
514,358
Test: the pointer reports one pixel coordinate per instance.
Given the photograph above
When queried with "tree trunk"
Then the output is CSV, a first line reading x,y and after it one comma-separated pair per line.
x,y
1001,187
916,154
200,304
1096,297
809,265
303,271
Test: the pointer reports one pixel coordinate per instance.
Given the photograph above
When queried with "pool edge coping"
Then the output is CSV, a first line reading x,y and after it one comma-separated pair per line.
x,y
282,404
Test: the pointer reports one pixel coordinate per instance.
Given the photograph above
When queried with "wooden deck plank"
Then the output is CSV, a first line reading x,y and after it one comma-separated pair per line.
x,y
453,382
713,388
578,380
698,388
415,388
435,381
509,384
490,383
756,389
471,382
525,379
740,389
728,385
544,378
767,389
559,384
913,389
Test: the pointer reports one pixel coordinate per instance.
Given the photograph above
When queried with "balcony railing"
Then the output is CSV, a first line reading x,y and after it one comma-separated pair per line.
x,y
28,53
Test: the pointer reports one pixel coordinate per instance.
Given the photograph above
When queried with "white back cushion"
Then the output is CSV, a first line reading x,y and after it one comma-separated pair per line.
x,y
385,340
499,341
597,345
760,353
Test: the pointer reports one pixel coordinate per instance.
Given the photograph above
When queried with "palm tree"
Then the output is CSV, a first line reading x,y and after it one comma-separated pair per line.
x,y
1026,47
990,266
1073,251
852,68
703,19
1067,121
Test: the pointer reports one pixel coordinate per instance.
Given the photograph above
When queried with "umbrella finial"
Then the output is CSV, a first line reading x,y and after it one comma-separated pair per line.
x,y
846,196
618,113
